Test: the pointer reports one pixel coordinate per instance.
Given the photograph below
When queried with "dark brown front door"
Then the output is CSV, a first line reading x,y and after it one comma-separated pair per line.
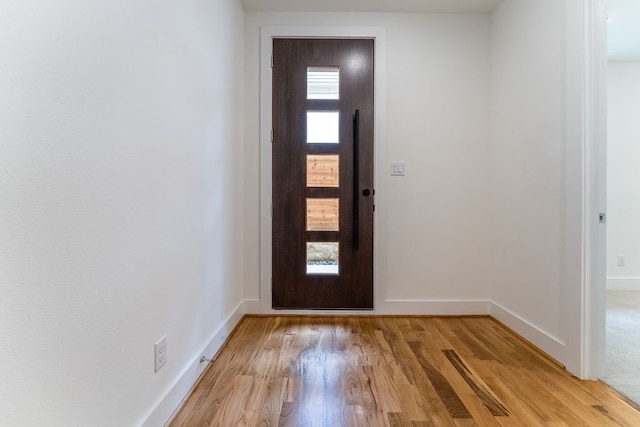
x,y
322,174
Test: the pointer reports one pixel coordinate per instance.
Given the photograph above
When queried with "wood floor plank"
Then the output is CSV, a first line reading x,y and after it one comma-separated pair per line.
x,y
524,381
478,386
391,363
474,403
269,412
414,408
447,394
467,340
392,371
233,404
527,413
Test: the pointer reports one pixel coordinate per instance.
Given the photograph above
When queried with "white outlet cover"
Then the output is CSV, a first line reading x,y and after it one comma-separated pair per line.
x,y
160,353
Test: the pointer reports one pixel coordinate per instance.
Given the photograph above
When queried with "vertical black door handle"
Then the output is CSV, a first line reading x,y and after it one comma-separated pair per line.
x,y
356,179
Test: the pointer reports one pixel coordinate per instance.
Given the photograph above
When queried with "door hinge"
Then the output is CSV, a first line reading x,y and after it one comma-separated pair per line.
x,y
271,284
271,61
603,217
272,136
271,209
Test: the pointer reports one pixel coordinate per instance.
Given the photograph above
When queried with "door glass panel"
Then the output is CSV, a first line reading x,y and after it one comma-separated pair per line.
x,y
323,170
322,214
322,257
323,83
323,127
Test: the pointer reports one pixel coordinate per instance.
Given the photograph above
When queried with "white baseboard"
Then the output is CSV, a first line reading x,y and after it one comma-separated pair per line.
x,y
534,334
434,307
171,400
623,283
252,306
392,307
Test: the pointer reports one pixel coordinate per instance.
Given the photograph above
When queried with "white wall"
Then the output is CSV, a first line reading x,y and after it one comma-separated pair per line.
x,y
432,226
528,163
623,184
121,203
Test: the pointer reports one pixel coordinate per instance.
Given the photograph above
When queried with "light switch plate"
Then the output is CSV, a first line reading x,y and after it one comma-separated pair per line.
x,y
397,168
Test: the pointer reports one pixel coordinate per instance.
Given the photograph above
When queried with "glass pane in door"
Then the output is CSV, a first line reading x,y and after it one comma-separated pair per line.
x,y
323,170
323,83
323,127
322,257
322,214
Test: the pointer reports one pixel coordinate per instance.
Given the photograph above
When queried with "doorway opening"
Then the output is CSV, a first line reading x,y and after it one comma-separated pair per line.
x,y
623,209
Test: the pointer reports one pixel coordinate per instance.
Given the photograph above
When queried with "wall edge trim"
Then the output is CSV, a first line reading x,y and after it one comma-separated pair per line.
x,y
623,283
537,336
252,306
434,307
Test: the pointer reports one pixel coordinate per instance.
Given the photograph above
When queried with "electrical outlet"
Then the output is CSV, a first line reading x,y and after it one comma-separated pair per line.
x,y
161,353
620,260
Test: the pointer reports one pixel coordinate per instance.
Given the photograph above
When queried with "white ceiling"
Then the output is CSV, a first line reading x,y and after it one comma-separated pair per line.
x,y
423,6
623,27
624,30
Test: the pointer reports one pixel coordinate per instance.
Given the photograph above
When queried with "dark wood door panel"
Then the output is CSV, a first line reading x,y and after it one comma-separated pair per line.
x,y
292,286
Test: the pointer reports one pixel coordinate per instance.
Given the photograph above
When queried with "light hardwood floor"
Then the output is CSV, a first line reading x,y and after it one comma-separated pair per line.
x,y
391,371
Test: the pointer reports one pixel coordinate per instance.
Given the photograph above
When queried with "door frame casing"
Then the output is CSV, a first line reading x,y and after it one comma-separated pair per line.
x,y
584,276
595,165
267,34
